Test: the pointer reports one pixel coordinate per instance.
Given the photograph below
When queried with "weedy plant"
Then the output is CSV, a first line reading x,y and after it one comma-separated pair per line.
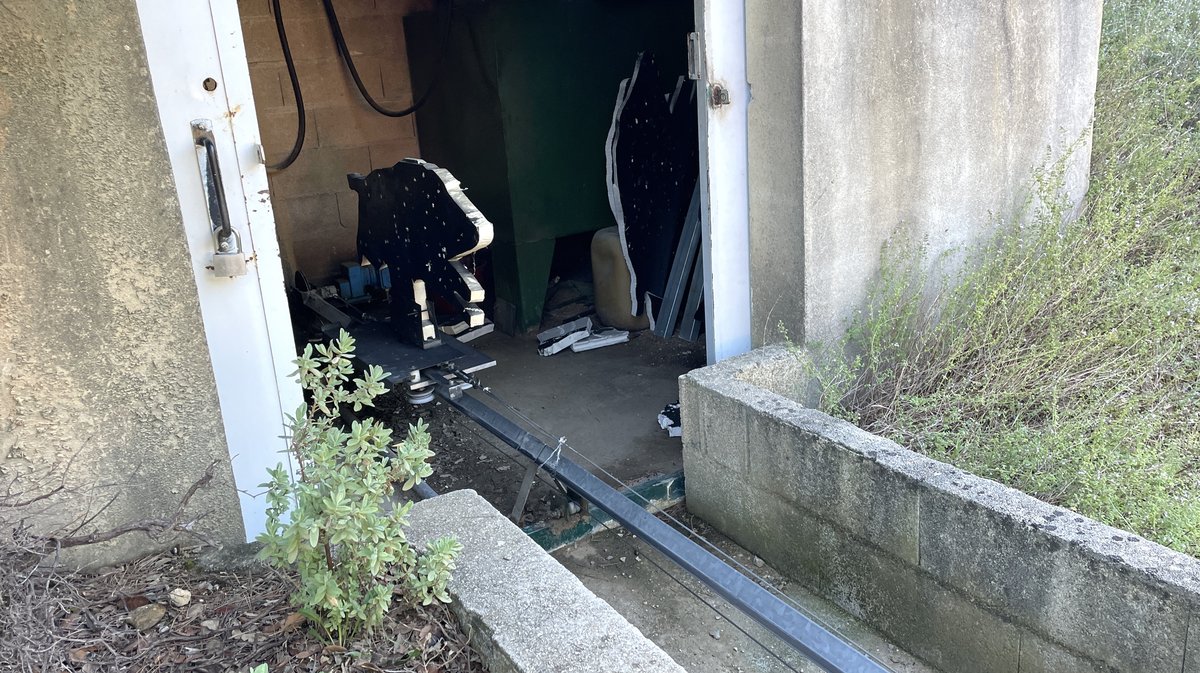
x,y
335,522
1065,361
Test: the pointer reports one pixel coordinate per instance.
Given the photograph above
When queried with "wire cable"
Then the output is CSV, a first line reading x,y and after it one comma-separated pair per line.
x,y
340,40
301,121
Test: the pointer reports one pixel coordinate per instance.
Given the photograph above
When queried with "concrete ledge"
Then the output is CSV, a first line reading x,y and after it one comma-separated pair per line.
x,y
962,571
523,610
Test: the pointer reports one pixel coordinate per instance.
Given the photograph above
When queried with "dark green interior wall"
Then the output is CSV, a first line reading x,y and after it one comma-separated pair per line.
x,y
520,114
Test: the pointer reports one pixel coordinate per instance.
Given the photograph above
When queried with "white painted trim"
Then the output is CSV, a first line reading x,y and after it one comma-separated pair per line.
x,y
246,320
724,187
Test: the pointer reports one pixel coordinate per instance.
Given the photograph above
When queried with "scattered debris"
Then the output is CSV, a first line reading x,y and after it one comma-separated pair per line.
x,y
600,339
147,616
180,597
578,335
558,339
715,633
668,419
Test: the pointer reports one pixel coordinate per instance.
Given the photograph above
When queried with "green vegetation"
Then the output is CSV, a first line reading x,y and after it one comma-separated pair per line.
x,y
1066,362
333,522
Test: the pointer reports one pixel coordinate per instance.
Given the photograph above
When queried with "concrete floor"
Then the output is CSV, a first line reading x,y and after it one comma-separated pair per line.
x,y
605,402
622,570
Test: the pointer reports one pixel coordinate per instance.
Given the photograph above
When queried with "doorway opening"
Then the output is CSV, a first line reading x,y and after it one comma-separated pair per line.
x,y
517,102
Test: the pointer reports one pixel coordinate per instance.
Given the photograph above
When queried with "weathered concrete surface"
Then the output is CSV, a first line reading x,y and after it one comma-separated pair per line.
x,y
524,611
102,350
701,630
961,571
919,117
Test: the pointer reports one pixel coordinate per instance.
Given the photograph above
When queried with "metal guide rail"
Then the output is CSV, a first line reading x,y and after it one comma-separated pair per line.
x,y
824,648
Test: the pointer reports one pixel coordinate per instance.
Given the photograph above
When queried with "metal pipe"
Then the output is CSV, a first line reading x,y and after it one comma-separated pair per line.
x,y
424,491
825,649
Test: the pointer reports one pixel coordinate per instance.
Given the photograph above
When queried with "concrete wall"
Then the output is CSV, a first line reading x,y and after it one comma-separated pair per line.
x,y
102,349
316,214
925,114
958,570
525,612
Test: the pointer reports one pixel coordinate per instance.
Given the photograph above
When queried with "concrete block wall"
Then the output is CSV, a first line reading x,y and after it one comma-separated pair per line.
x,y
964,572
914,119
316,213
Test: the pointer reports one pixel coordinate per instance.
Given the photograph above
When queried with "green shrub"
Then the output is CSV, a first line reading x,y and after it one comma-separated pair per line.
x,y
1065,360
335,522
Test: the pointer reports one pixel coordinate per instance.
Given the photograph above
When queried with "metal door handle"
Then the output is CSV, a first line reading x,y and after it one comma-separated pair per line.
x,y
228,259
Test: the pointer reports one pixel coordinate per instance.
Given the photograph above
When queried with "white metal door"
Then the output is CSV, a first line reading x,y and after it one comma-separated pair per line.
x,y
724,190
198,66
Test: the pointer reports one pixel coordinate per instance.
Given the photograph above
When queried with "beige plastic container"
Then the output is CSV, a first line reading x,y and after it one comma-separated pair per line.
x,y
610,279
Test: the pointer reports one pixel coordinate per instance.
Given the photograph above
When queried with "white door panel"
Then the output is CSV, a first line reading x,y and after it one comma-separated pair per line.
x,y
246,318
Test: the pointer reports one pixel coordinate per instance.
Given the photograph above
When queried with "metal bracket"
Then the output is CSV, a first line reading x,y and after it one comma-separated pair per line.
x,y
717,95
693,56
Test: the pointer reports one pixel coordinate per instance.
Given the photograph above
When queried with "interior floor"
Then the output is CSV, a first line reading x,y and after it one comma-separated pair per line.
x,y
604,402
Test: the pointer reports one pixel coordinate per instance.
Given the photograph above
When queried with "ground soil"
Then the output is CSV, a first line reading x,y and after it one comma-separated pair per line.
x,y
466,456
232,622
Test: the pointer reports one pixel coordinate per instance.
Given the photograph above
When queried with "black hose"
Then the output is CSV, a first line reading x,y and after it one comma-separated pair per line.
x,y
301,122
340,40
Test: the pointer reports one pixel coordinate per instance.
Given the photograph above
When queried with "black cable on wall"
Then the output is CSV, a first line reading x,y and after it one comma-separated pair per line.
x,y
340,40
301,121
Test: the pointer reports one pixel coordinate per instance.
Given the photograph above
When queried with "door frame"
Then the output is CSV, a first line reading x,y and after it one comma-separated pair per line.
x,y
724,187
246,319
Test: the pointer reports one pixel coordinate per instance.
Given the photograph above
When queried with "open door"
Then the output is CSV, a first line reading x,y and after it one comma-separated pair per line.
x,y
202,86
720,57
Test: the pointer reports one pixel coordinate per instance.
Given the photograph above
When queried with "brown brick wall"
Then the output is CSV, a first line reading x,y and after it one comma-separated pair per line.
x,y
315,212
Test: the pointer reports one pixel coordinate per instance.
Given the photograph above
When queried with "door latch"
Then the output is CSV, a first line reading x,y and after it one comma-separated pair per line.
x,y
228,258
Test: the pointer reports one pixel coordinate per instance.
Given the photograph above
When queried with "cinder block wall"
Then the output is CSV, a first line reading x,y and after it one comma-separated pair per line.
x,y
316,213
966,573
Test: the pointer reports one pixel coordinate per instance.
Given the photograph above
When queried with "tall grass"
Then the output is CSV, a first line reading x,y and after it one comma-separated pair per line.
x,y
1065,361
